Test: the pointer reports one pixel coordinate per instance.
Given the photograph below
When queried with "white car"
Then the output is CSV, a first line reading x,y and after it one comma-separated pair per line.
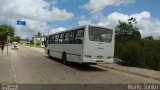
x,y
15,45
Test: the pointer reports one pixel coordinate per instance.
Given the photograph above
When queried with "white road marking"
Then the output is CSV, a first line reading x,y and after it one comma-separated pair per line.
x,y
14,69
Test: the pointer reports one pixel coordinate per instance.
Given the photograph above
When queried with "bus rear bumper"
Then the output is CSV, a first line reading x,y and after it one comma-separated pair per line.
x,y
86,60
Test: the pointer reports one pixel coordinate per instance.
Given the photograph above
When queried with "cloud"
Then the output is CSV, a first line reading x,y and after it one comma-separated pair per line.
x,y
141,15
32,27
32,9
57,30
147,25
83,22
111,20
37,14
94,5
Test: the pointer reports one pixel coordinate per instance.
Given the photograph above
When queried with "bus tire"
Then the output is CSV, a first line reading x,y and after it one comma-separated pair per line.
x,y
64,58
48,53
85,64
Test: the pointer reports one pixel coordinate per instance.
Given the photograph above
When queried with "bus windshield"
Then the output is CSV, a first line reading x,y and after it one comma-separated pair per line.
x,y
100,34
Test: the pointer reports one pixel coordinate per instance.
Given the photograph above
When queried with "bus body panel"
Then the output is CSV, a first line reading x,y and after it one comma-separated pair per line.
x,y
93,49
98,53
73,51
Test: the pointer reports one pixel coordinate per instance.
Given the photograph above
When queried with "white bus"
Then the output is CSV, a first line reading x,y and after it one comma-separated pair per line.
x,y
86,44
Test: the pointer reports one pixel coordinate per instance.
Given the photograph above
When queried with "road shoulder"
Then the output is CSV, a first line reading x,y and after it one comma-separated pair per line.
x,y
134,70
6,69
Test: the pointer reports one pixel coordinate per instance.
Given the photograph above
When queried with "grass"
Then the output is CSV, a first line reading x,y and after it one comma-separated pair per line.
x,y
37,46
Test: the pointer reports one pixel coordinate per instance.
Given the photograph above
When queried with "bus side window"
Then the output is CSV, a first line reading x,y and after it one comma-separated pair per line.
x,y
79,36
71,37
66,38
53,39
49,41
56,39
61,38
46,42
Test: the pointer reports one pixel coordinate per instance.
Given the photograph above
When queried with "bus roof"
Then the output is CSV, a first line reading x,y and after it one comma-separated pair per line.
x,y
78,27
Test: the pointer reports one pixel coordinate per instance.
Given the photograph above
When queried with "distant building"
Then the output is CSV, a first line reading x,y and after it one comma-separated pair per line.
x,y
39,40
24,42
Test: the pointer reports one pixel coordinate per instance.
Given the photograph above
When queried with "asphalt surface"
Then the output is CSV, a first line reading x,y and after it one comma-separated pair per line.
x,y
31,66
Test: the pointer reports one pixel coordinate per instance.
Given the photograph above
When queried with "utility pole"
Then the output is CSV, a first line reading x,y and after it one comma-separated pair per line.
x,y
7,41
34,38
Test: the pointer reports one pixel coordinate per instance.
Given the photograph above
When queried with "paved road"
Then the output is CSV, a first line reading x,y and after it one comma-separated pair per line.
x,y
31,66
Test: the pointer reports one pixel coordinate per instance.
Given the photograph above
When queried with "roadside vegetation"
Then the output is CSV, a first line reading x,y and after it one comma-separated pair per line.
x,y
37,44
6,30
133,50
15,39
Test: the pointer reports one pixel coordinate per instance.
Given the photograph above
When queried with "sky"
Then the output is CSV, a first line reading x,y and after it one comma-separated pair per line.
x,y
50,16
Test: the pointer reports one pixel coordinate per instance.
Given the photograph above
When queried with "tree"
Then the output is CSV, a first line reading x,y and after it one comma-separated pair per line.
x,y
5,31
27,40
126,31
134,51
39,34
158,37
15,39
31,42
149,38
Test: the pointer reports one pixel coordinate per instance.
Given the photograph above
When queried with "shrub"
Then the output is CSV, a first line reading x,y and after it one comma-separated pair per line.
x,y
139,53
31,42
38,44
152,53
131,53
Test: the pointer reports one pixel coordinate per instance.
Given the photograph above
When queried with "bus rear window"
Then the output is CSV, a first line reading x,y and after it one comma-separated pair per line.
x,y
100,34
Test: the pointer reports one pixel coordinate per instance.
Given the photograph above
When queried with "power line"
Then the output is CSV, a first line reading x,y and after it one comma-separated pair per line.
x,y
90,14
102,9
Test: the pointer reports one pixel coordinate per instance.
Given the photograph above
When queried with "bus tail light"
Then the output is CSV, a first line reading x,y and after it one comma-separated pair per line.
x,y
109,57
100,57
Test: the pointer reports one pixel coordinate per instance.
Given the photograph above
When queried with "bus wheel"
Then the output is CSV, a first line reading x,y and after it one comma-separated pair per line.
x,y
64,58
49,54
85,64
